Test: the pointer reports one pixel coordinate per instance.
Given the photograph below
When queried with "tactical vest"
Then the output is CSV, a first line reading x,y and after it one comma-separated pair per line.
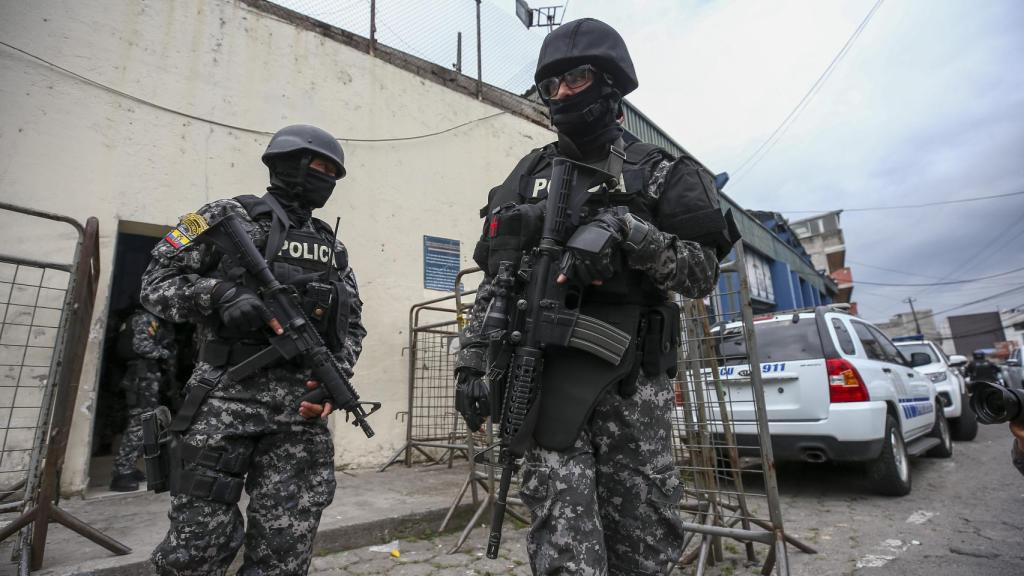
x,y
303,259
574,381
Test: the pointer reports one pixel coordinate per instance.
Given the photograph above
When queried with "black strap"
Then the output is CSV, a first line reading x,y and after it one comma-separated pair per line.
x,y
196,395
216,458
279,227
209,487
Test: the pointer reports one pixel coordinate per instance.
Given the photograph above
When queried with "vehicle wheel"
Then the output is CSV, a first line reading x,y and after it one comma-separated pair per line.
x,y
965,428
941,431
890,473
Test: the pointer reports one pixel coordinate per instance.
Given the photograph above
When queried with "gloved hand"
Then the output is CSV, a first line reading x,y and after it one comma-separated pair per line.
x,y
241,309
590,253
472,397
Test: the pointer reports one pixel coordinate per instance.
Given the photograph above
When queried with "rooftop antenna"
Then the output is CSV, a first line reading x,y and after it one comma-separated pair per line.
x,y
547,16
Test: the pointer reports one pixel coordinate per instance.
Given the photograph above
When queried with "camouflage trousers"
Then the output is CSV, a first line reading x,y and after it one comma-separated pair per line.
x,y
608,504
145,392
289,478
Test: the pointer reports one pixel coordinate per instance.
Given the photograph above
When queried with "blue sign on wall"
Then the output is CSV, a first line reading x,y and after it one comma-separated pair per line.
x,y
440,263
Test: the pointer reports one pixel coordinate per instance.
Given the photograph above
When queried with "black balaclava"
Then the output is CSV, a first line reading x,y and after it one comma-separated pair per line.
x,y
589,119
298,188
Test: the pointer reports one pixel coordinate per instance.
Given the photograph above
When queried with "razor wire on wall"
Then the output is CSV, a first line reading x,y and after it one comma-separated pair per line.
x,y
435,30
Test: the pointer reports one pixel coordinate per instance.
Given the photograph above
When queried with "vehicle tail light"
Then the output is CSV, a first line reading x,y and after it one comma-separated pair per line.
x,y
844,382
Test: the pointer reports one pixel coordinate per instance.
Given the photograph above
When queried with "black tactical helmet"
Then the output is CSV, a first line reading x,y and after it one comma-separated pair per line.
x,y
587,41
300,137
979,355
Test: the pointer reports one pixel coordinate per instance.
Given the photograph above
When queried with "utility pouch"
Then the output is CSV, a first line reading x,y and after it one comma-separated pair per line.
x,y
316,302
159,448
661,341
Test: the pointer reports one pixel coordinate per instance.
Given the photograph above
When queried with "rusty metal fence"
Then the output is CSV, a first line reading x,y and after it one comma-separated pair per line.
x,y
435,433
721,439
45,308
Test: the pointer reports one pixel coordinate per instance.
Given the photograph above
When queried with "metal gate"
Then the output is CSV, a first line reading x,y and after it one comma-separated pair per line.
x,y
434,430
721,438
45,309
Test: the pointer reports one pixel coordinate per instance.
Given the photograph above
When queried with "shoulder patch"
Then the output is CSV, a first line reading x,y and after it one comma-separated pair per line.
x,y
188,229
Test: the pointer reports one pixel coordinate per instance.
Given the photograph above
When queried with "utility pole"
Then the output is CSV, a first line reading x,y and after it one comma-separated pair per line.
x,y
479,58
914,313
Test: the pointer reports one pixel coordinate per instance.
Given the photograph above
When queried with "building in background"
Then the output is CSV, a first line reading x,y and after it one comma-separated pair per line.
x,y
822,238
972,332
904,324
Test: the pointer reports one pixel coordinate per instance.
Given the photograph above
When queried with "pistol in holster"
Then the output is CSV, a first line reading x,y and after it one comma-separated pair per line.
x,y
160,449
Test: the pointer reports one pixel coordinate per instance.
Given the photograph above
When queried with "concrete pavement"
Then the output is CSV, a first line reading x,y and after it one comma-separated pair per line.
x,y
368,508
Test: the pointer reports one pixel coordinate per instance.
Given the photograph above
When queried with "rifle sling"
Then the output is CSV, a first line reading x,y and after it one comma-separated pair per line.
x,y
194,399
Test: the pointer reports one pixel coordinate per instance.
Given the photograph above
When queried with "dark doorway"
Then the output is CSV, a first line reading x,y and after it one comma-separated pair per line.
x,y
132,250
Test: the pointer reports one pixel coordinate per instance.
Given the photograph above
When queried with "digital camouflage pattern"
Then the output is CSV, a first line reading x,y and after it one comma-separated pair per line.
x,y
152,340
608,504
288,461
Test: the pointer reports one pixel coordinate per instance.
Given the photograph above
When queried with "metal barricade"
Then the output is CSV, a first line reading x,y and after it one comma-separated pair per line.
x,y
434,430
47,308
721,438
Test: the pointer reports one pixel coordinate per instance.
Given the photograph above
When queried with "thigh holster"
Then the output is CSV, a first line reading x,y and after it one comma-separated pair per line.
x,y
214,487
216,474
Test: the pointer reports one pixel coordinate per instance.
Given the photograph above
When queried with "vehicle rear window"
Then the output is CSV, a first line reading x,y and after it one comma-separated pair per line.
x,y
909,349
777,341
843,336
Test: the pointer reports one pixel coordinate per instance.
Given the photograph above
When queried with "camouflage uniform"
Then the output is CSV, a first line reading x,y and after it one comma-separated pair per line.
x,y
608,504
249,430
152,344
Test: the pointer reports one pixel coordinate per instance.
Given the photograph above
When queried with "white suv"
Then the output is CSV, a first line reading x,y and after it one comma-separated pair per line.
x,y
836,389
950,385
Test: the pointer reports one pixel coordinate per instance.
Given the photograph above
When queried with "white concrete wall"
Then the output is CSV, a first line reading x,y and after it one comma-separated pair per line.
x,y
73,148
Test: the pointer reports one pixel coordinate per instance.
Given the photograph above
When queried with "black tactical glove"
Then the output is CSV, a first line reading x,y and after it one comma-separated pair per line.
x,y
472,393
240,308
472,397
591,252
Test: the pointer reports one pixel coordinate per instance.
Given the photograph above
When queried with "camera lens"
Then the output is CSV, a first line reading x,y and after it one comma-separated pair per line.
x,y
995,404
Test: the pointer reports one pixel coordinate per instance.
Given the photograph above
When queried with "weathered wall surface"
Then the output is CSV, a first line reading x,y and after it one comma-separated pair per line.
x,y
77,149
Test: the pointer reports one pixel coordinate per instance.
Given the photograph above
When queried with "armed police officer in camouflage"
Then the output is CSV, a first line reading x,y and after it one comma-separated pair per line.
x,y
573,335
249,427
146,343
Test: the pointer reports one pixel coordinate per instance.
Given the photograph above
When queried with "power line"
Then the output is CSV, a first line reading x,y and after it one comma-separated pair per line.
x,y
790,118
866,265
948,283
908,206
972,260
971,303
145,102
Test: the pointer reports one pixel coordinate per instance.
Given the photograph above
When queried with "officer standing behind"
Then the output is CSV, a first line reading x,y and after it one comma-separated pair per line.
x,y
601,481
254,432
980,369
146,343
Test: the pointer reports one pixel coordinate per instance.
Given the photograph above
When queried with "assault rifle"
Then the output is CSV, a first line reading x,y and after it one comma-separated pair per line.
x,y
300,338
545,313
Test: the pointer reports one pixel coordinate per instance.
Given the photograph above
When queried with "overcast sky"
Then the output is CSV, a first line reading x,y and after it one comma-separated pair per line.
x,y
926,105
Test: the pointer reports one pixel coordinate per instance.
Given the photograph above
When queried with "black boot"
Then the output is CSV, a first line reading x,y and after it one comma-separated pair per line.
x,y
138,475
124,483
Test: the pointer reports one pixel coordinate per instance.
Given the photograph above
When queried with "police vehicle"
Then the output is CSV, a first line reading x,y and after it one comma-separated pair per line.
x,y
950,385
836,389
